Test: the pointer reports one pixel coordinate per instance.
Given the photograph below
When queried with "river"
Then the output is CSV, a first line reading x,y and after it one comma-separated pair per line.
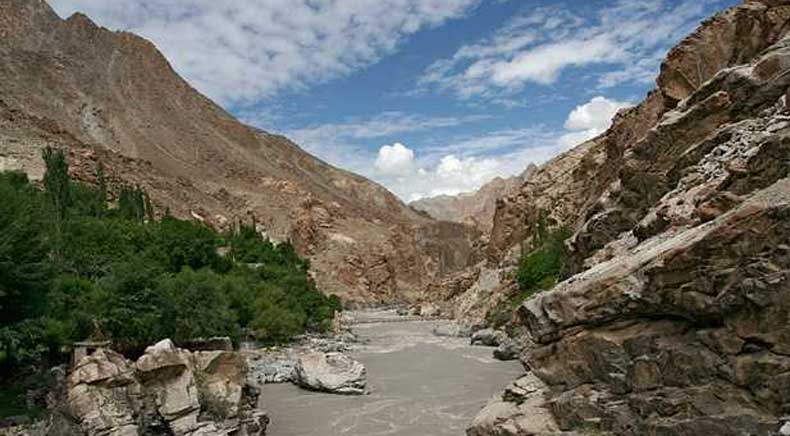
x,y
421,385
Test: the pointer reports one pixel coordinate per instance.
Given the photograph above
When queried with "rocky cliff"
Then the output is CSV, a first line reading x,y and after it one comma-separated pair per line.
x,y
474,208
111,97
674,319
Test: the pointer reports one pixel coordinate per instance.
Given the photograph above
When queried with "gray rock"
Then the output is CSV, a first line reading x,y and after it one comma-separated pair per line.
x,y
276,368
509,349
489,337
331,372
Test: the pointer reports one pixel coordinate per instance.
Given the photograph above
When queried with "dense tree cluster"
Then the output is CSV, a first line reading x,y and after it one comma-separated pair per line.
x,y
73,268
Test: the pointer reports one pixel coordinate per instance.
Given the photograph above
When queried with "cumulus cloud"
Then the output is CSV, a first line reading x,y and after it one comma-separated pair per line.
x,y
396,159
539,45
591,119
238,52
460,165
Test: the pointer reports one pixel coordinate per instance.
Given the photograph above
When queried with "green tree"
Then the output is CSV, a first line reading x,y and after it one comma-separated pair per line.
x,y
131,203
101,190
58,188
24,267
197,305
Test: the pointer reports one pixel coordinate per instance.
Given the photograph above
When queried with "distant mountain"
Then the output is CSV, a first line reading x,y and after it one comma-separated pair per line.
x,y
112,97
475,208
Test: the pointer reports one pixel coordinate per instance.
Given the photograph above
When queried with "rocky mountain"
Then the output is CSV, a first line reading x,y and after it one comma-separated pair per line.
x,y
111,97
673,315
475,208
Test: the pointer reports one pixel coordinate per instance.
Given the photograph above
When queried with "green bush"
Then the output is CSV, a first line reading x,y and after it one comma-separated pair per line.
x,y
542,267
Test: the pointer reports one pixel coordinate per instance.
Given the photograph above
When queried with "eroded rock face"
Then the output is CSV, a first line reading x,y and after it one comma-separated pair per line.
x,y
331,372
675,321
572,188
166,391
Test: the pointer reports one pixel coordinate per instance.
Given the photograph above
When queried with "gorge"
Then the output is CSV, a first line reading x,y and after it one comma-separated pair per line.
x,y
636,284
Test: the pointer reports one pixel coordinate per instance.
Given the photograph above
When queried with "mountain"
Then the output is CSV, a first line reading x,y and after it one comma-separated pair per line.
x,y
670,316
476,208
111,97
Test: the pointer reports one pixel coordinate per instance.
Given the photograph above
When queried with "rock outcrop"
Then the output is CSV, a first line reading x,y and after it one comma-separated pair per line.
x,y
675,319
331,372
166,391
111,97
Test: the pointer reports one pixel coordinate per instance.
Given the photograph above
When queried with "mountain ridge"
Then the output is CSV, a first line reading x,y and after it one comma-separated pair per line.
x,y
101,91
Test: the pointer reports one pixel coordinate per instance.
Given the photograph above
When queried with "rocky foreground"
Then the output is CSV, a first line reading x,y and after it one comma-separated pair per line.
x,y
166,391
676,321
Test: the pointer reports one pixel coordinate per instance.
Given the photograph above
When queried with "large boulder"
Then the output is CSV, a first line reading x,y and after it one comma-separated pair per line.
x,y
105,395
520,411
331,372
168,375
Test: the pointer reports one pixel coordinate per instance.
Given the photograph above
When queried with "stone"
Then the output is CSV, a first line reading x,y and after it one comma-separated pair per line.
x,y
521,415
489,337
104,394
509,349
331,372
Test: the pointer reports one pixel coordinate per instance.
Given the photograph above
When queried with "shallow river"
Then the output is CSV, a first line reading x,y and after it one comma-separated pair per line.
x,y
421,385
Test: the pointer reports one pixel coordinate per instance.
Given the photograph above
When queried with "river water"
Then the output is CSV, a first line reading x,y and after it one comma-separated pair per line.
x,y
421,385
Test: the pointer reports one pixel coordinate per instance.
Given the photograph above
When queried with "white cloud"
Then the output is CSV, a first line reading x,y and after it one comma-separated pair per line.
x,y
591,119
537,47
462,165
595,114
396,159
239,52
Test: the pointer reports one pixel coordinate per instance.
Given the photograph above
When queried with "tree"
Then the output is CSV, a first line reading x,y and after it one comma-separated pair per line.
x,y
58,188
24,270
101,190
131,203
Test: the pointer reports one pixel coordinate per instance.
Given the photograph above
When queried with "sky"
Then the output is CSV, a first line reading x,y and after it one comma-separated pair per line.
x,y
426,97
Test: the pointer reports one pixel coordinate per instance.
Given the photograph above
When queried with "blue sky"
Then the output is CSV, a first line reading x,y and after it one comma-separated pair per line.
x,y
426,97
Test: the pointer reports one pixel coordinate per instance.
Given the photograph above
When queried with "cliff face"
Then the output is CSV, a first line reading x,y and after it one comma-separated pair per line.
x,y
569,186
112,97
676,319
475,208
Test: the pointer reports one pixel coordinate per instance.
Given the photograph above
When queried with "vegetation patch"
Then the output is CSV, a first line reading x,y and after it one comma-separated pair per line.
x,y
540,268
75,267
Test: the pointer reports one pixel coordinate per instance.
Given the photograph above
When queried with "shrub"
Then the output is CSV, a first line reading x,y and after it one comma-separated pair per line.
x,y
542,267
